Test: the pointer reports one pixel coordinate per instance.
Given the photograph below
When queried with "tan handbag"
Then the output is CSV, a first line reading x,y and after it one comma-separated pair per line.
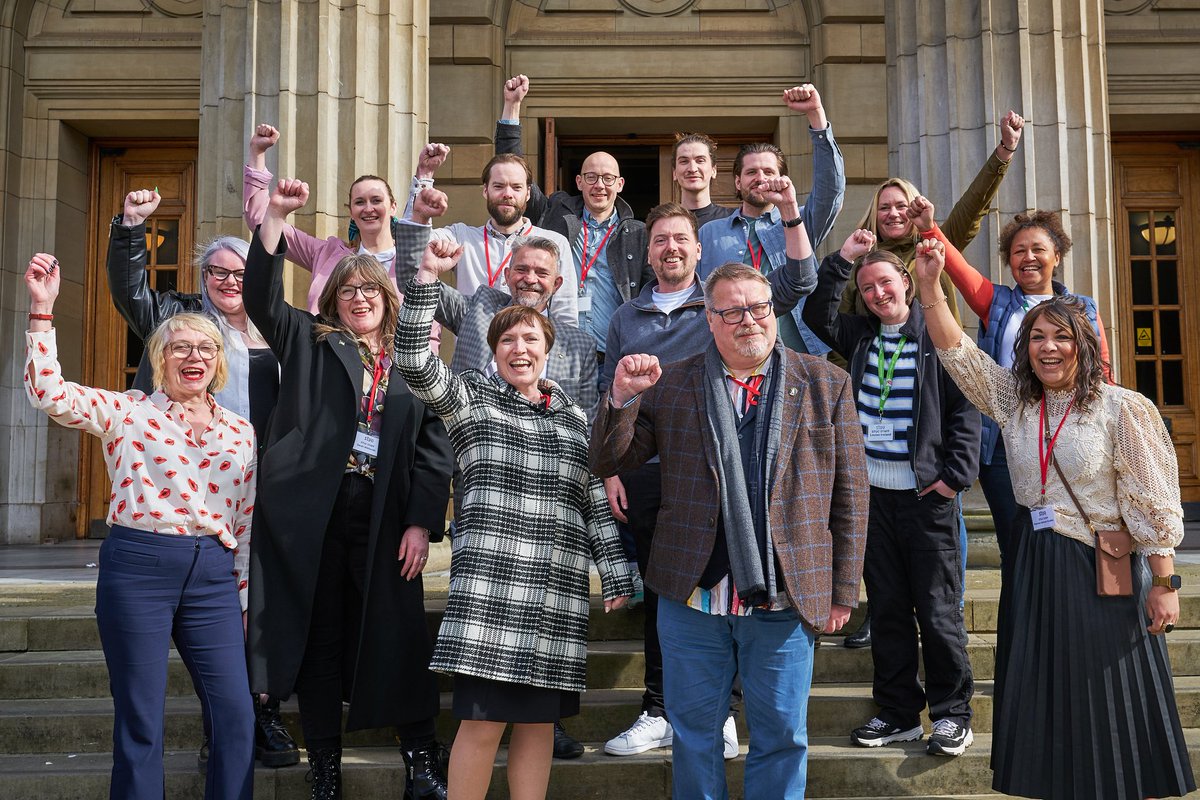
x,y
1114,551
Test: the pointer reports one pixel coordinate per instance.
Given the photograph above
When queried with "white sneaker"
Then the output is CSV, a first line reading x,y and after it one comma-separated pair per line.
x,y
646,733
729,734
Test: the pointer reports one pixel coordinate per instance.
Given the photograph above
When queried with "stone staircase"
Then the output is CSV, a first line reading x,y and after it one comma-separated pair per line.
x,y
56,715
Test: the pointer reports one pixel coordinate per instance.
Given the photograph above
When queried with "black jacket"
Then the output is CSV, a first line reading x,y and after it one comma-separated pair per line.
x,y
563,213
299,472
946,427
142,307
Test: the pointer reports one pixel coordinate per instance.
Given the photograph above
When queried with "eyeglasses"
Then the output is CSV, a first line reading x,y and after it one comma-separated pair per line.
x,y
208,351
733,316
220,274
368,290
590,178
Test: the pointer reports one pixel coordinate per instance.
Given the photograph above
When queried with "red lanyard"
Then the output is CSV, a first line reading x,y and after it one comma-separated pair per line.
x,y
755,258
1046,450
587,265
487,254
370,398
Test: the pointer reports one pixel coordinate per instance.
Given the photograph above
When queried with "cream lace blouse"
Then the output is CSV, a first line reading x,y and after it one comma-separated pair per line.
x,y
1117,455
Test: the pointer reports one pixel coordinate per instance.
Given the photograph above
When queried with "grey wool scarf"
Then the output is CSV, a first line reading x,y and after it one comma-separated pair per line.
x,y
750,574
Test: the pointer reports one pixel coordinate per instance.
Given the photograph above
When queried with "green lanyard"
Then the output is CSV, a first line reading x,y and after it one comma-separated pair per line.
x,y
885,373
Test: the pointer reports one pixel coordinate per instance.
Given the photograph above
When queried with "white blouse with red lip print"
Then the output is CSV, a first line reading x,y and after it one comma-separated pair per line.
x,y
163,480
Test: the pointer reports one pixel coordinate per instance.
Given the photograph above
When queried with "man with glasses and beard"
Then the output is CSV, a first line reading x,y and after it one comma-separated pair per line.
x,y
754,234
487,248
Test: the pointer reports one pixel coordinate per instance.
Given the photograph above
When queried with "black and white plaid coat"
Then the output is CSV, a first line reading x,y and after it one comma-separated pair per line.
x,y
533,516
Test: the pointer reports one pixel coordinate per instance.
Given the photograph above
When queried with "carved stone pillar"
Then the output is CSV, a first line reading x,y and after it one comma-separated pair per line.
x,y
345,82
954,69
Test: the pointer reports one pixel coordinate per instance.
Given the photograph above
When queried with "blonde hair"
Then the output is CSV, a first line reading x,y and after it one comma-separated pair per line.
x,y
156,348
870,220
367,269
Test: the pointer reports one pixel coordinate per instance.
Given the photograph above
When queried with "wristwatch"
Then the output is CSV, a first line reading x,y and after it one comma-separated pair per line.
x,y
1172,582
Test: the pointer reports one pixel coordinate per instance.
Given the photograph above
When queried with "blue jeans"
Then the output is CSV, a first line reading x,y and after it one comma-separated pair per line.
x,y
773,652
154,588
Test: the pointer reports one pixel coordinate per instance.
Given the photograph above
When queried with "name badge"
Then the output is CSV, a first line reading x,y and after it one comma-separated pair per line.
x,y
1043,517
367,443
585,304
881,431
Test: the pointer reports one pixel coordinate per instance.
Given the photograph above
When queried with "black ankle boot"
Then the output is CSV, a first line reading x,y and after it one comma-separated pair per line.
x,y
424,777
273,745
325,773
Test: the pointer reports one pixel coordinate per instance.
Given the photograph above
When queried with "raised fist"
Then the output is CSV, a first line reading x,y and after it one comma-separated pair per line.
x,y
635,374
515,89
441,255
920,211
263,139
432,156
857,245
429,203
139,205
931,258
1010,130
803,98
289,195
777,191
42,278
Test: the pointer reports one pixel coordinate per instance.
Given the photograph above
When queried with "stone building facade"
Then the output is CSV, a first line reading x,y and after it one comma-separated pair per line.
x,y
102,96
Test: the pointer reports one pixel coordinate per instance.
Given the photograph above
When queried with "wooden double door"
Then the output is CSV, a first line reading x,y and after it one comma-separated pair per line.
x,y
111,351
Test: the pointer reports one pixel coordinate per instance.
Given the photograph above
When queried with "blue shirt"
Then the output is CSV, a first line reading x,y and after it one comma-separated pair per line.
x,y
724,240
599,285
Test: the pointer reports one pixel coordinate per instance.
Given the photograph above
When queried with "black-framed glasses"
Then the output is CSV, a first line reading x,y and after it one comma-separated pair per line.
x,y
733,315
368,290
220,274
590,178
207,350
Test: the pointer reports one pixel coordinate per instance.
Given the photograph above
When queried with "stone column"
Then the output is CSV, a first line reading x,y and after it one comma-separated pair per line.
x,y
344,81
955,68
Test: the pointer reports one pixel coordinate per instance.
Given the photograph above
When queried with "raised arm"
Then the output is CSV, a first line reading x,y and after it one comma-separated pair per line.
x,y
508,140
429,378
829,169
302,248
975,288
962,224
623,435
140,306
821,313
71,405
262,289
798,276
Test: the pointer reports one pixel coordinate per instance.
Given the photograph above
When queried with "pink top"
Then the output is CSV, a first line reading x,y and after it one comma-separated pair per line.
x,y
318,256
978,290
164,481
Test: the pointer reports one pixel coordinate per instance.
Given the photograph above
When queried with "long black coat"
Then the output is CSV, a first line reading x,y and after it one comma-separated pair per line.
x,y
301,467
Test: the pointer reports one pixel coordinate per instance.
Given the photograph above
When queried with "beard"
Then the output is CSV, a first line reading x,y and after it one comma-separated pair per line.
x,y
755,199
505,216
752,348
526,298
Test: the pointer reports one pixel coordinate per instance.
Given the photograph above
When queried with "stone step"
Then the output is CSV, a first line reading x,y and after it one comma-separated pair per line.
x,y
611,665
44,725
837,769
75,628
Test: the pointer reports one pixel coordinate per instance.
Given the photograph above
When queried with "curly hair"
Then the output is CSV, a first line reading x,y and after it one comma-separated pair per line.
x,y
1048,221
1067,312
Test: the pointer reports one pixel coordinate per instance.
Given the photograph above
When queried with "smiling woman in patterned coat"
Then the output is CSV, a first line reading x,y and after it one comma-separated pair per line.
x,y
515,630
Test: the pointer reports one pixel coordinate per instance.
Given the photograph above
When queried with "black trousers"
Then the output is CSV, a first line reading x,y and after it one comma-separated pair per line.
x,y
334,631
914,579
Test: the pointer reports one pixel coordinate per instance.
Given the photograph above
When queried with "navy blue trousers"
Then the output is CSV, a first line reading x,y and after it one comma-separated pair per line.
x,y
152,589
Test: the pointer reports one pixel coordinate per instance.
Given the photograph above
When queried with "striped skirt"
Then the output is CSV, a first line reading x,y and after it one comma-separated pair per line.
x,y
1084,704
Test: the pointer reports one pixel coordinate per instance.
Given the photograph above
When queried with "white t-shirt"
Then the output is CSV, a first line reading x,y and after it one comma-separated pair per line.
x,y
669,301
1008,340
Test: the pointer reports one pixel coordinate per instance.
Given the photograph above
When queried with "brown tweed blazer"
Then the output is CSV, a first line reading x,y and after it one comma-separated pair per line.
x,y
818,491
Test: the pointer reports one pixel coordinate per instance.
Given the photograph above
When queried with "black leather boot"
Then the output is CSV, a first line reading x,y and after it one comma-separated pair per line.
x,y
862,636
424,777
273,745
325,773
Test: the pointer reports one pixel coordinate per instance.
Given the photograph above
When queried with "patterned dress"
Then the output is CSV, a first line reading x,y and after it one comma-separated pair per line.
x,y
533,516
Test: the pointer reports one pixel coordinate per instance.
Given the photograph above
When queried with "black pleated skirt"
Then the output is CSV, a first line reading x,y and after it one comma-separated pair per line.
x,y
1084,704
501,701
